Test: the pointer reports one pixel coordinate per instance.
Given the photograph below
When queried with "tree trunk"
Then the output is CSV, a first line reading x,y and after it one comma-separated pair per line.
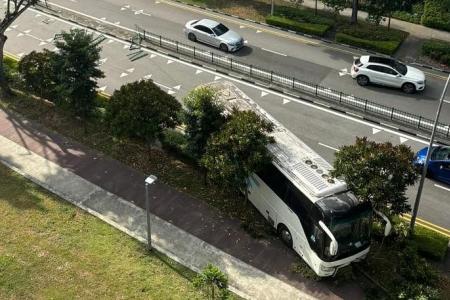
x,y
354,19
4,86
315,9
389,21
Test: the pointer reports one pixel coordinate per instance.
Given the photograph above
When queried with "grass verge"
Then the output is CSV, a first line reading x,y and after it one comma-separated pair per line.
x,y
51,249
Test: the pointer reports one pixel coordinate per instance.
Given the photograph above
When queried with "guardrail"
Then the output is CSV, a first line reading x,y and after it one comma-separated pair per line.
x,y
332,96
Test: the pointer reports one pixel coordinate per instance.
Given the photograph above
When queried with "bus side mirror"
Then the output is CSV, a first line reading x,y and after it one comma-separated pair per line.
x,y
388,227
333,244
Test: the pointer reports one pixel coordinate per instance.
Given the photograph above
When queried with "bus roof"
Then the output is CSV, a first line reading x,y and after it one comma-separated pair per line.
x,y
302,165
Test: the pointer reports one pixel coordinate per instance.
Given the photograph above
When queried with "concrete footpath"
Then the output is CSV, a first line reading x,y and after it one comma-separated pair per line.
x,y
184,228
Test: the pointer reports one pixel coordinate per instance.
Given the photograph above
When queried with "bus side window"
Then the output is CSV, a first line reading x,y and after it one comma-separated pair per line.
x,y
274,179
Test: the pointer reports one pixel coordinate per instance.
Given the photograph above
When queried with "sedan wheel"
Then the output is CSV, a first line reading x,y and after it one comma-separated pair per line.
x,y
223,47
408,88
362,80
192,37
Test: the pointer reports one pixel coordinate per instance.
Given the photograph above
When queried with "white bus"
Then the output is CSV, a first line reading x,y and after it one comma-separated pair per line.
x,y
313,213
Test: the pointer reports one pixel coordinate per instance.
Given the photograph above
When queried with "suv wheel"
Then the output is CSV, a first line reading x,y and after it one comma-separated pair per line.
x,y
408,88
192,37
362,80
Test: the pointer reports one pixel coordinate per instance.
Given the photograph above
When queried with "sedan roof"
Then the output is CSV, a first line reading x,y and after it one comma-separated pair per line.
x,y
208,23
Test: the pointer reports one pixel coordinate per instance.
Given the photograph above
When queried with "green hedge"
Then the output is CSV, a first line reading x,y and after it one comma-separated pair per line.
x,y
438,50
436,14
376,38
310,28
429,243
412,16
302,15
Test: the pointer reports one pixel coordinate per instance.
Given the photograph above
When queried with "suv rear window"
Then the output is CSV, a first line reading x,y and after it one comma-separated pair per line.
x,y
358,62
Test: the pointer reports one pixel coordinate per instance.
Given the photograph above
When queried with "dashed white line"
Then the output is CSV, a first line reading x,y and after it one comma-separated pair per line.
x,y
274,52
329,147
442,187
446,101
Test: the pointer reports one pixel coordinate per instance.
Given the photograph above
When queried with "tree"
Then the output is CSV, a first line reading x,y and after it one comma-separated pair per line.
x,y
238,150
379,8
77,64
355,7
37,72
14,8
141,110
337,5
214,281
204,115
377,172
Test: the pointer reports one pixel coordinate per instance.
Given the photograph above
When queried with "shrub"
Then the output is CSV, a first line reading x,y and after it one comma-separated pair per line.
x,y
436,14
413,16
438,50
176,143
302,16
213,281
430,243
310,28
375,38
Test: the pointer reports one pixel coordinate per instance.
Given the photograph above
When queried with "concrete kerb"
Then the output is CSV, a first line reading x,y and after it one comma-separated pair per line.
x,y
304,34
245,280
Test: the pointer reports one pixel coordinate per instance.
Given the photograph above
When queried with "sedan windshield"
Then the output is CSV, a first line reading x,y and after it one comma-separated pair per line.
x,y
220,29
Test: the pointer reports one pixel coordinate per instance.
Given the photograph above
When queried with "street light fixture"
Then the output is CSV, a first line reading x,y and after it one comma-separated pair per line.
x,y
148,181
425,165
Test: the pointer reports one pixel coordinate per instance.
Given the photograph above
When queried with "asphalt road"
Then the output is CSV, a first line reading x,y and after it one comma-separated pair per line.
x,y
305,59
324,130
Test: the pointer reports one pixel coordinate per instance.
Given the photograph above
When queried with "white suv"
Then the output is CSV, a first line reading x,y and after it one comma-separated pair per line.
x,y
389,72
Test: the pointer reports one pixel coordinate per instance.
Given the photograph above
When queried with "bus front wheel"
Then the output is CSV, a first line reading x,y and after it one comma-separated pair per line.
x,y
285,235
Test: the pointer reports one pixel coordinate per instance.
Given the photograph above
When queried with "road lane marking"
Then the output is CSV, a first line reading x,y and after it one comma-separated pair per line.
x,y
262,89
375,130
446,101
329,147
274,52
442,187
428,225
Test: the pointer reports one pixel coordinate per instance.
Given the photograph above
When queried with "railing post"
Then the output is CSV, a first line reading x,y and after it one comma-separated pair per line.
x,y
177,46
316,88
420,120
448,130
212,57
340,97
194,52
160,42
365,106
251,69
392,113
271,76
144,35
231,64
293,82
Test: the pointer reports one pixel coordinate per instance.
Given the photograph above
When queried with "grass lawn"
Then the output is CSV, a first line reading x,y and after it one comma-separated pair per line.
x,y
50,249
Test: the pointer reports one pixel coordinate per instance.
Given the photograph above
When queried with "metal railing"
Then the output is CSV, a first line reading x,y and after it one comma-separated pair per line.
x,y
332,96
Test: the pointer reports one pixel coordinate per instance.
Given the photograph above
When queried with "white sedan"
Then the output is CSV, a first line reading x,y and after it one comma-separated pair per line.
x,y
213,33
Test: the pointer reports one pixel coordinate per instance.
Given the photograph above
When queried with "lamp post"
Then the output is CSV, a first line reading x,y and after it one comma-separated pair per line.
x,y
148,181
425,165
271,8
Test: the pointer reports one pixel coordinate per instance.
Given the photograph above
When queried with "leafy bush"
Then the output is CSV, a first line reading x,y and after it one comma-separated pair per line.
x,y
412,16
436,14
310,28
375,38
438,50
430,243
302,15
11,66
176,143
214,282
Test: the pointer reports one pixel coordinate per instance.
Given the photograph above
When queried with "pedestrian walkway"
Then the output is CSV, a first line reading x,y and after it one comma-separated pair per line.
x,y
184,228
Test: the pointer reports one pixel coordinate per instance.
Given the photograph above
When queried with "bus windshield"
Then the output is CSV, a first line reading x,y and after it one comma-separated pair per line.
x,y
352,232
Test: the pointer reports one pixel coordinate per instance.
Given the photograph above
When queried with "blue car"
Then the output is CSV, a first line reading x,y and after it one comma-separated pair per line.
x,y
439,165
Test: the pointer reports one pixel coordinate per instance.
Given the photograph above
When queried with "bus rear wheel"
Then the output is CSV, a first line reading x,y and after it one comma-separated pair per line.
x,y
285,235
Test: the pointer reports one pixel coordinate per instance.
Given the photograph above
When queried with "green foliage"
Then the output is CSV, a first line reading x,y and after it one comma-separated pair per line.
x,y
436,14
337,5
213,281
429,243
377,172
310,28
77,71
375,38
238,150
36,70
203,116
379,8
177,143
414,15
141,110
438,50
302,15
10,69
